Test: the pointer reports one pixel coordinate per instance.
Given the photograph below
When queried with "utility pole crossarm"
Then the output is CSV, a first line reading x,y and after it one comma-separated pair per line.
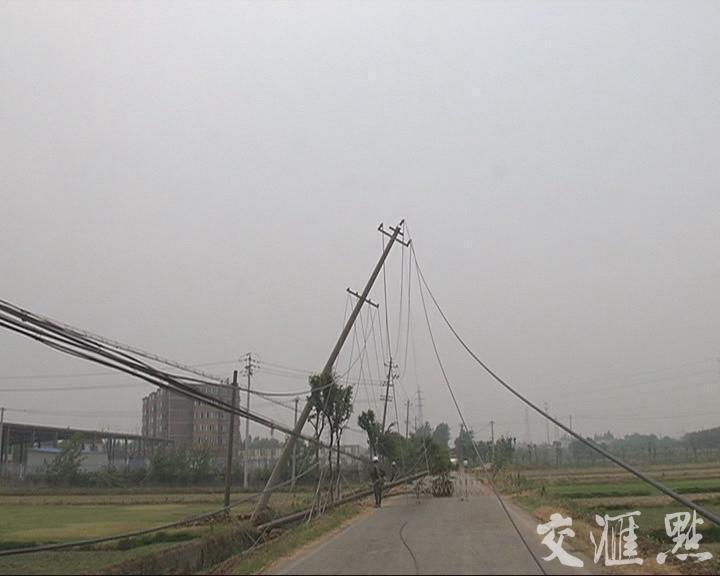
x,y
353,293
395,233
282,463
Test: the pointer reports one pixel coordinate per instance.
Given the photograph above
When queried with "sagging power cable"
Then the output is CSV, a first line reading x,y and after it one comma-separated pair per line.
x,y
77,343
462,419
589,443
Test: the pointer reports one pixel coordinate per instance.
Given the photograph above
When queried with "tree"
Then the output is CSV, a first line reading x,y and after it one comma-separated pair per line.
x,y
438,457
333,403
371,426
393,447
702,440
182,465
66,467
425,431
341,410
465,446
505,451
318,383
199,463
441,434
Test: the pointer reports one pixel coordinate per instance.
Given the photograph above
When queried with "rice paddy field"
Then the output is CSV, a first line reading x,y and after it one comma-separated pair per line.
x,y
584,493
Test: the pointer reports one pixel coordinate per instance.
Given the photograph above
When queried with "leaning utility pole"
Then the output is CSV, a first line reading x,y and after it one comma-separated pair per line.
x,y
246,457
282,463
231,437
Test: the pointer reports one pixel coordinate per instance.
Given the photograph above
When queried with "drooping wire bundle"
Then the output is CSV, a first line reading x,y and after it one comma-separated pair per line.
x,y
133,362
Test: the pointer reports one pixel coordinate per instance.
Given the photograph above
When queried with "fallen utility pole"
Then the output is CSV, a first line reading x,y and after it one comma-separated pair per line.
x,y
297,516
282,463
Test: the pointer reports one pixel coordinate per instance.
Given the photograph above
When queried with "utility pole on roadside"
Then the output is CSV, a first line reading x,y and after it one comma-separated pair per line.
x,y
250,364
492,438
2,436
389,384
407,419
547,426
281,464
231,438
294,454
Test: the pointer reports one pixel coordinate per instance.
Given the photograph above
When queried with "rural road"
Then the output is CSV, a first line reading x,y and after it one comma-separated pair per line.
x,y
456,535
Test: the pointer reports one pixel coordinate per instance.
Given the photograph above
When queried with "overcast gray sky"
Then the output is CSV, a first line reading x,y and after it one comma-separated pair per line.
x,y
206,179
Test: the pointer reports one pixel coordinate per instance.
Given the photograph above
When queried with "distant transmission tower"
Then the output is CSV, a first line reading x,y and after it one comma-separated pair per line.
x,y
419,412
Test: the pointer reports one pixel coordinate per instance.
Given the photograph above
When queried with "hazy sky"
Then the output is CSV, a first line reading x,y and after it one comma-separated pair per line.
x,y
206,179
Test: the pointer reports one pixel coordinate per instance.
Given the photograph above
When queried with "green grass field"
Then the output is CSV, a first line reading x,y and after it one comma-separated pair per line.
x,y
633,488
582,493
30,520
72,561
49,524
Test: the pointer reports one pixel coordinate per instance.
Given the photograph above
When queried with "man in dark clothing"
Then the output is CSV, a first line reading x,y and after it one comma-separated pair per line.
x,y
377,475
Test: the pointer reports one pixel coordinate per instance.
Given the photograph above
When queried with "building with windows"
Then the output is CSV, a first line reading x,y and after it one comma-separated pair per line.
x,y
187,422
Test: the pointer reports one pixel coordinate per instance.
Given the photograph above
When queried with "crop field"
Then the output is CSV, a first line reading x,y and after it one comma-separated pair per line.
x,y
31,520
584,493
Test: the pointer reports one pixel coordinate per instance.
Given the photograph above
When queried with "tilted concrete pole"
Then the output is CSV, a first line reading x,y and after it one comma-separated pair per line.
x,y
302,419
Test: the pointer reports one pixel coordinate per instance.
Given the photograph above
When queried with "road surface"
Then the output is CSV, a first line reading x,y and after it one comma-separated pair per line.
x,y
457,535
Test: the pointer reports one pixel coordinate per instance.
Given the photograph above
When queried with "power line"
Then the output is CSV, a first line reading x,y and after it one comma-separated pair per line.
x,y
70,388
462,418
677,497
80,344
58,376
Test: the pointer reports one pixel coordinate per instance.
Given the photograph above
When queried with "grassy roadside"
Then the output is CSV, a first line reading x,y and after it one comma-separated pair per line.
x,y
288,541
74,561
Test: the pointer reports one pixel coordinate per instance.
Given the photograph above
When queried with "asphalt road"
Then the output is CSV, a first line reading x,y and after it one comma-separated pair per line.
x,y
458,535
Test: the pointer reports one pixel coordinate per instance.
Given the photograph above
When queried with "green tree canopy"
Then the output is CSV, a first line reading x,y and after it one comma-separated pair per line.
x,y
441,435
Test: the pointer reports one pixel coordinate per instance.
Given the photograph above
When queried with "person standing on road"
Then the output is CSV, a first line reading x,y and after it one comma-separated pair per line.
x,y
377,475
